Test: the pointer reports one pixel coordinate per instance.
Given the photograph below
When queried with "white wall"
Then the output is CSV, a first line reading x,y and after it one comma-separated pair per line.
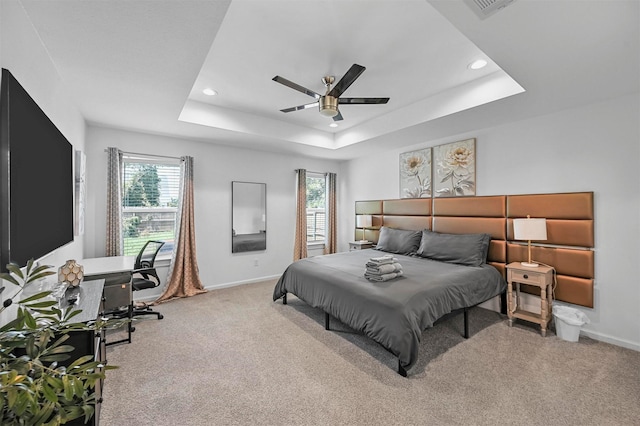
x,y
215,167
592,148
22,53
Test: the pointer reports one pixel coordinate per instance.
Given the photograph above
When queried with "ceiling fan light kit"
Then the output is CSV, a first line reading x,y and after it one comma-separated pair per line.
x,y
328,104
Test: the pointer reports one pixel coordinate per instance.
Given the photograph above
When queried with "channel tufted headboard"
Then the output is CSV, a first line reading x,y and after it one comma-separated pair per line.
x,y
569,244
570,230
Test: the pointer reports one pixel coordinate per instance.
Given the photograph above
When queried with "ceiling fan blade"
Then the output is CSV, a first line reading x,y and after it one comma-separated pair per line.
x,y
346,80
363,100
299,107
295,86
338,117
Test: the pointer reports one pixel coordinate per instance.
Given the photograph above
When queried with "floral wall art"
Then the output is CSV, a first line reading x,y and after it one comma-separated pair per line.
x,y
455,169
415,174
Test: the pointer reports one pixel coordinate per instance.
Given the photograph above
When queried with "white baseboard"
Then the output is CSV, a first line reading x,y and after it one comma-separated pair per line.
x,y
236,283
601,337
152,297
532,304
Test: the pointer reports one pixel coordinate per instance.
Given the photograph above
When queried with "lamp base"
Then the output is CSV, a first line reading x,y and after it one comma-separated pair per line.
x,y
529,265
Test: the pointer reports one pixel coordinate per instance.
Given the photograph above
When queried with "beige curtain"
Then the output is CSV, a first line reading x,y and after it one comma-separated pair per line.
x,y
300,245
114,203
184,280
330,244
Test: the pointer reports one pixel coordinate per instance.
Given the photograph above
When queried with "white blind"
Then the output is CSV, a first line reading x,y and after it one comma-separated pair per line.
x,y
149,202
316,206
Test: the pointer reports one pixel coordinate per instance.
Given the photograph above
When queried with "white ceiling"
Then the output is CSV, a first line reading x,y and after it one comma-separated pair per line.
x,y
142,65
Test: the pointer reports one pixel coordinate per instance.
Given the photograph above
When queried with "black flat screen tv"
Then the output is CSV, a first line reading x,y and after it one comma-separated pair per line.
x,y
36,169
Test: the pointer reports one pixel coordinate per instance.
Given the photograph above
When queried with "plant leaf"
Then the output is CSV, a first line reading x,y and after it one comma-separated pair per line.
x,y
68,387
49,393
29,320
35,297
70,314
9,278
78,387
45,304
80,361
54,357
15,270
29,266
59,349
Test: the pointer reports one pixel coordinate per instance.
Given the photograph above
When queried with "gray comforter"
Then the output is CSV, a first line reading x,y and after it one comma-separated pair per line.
x,y
393,313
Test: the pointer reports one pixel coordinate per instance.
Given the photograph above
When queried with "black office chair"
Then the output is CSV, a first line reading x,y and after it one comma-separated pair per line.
x,y
145,275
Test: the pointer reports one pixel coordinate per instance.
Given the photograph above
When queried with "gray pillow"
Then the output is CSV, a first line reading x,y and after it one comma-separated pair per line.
x,y
399,241
463,249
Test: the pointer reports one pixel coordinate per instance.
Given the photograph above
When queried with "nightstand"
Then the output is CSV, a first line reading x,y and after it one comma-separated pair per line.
x,y
541,277
360,245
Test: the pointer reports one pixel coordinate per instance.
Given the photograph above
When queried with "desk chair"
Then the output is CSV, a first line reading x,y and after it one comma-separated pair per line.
x,y
145,275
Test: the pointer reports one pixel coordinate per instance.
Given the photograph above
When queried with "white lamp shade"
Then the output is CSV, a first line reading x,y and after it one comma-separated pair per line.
x,y
530,229
364,221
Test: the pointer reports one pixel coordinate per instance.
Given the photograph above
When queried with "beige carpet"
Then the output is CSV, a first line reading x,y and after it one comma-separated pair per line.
x,y
234,357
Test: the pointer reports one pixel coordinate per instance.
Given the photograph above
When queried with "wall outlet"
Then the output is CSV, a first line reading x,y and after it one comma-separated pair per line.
x,y
255,262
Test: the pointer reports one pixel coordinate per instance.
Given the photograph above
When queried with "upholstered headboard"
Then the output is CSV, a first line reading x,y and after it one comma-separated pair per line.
x,y
475,215
406,213
570,230
569,244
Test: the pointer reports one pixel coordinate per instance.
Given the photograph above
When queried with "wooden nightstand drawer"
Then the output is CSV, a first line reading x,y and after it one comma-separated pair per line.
x,y
526,277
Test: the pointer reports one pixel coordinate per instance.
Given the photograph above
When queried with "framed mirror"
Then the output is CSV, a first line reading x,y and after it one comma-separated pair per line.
x,y
249,216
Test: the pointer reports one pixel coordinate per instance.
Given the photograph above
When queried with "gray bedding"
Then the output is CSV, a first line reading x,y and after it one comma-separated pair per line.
x,y
396,312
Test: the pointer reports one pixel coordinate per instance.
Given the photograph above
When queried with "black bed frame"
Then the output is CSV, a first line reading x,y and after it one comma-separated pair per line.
x,y
465,311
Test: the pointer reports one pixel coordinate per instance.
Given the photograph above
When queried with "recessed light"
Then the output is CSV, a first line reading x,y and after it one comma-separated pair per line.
x,y
209,92
477,64
333,125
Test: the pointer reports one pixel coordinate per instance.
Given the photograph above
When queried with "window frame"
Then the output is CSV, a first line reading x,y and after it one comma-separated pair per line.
x,y
164,253
323,176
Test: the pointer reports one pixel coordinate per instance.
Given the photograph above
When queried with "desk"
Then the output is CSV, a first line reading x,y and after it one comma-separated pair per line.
x,y
107,265
89,299
116,272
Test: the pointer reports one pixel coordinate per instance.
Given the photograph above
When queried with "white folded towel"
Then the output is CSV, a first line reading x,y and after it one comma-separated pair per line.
x,y
382,260
384,269
383,277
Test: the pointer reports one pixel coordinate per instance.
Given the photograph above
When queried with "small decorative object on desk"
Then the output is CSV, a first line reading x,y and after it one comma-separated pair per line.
x,y
71,272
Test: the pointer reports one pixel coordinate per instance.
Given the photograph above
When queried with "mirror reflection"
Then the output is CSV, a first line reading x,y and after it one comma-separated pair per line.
x,y
249,216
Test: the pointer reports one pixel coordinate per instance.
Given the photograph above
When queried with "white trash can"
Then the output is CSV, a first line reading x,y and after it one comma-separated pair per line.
x,y
569,321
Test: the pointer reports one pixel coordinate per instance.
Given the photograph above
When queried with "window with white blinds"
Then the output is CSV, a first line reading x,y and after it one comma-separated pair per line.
x,y
316,207
151,189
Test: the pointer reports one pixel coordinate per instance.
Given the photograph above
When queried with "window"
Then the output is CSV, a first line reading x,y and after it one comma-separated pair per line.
x,y
149,202
316,206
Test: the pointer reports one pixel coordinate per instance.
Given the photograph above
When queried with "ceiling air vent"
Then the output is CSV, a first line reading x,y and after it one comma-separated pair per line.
x,y
486,8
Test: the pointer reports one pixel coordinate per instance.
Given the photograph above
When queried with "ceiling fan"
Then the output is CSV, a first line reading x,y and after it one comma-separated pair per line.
x,y
328,104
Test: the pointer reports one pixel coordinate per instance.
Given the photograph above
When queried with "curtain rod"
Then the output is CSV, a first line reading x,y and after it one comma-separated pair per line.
x,y
315,173
149,155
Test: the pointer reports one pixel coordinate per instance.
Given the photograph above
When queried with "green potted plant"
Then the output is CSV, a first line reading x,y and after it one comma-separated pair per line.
x,y
39,384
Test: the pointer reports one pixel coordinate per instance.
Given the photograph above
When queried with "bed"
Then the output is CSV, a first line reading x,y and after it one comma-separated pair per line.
x,y
396,312
393,313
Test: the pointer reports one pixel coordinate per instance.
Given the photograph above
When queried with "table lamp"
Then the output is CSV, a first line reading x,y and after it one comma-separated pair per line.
x,y
364,221
530,229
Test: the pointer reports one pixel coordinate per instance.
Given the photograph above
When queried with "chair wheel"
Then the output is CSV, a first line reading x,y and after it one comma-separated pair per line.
x,y
160,316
